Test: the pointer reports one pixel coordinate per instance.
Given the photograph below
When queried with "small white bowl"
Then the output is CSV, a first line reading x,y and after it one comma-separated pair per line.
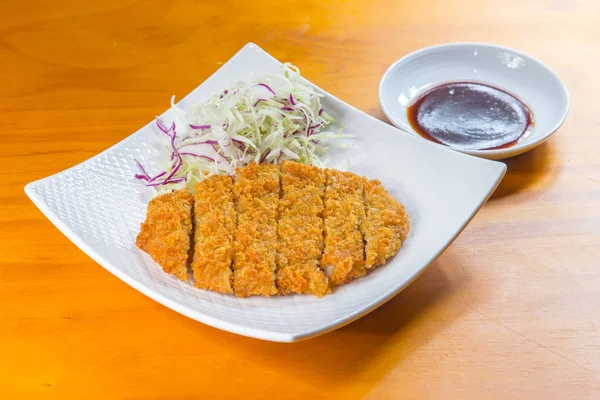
x,y
524,76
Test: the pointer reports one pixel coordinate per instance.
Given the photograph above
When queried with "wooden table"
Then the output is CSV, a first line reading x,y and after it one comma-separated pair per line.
x,y
510,311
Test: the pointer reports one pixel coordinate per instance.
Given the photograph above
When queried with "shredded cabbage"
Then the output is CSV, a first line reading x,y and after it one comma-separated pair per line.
x,y
275,118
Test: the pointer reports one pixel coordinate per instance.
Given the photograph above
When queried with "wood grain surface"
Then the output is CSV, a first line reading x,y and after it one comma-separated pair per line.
x,y
510,311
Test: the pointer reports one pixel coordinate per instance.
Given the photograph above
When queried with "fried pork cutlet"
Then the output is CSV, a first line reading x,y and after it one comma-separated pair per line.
x,y
386,226
343,257
214,226
256,191
300,230
165,234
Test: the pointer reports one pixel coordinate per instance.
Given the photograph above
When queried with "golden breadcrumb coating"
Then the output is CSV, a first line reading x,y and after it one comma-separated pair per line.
x,y
343,257
165,234
387,224
214,226
256,191
300,230
270,230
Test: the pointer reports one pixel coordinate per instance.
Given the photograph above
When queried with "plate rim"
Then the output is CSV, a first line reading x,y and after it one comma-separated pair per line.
x,y
223,324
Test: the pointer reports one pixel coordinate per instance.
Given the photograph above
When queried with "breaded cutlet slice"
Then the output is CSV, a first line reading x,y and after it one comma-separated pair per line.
x,y
256,191
343,256
300,230
214,226
386,226
165,234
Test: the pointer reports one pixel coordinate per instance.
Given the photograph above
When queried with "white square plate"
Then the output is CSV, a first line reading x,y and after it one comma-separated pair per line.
x,y
99,206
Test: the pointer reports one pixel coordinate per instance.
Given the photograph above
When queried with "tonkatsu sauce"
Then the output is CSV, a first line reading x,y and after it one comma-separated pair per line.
x,y
470,116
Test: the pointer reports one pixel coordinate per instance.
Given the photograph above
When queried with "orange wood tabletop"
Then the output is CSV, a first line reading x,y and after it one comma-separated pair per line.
x,y
510,311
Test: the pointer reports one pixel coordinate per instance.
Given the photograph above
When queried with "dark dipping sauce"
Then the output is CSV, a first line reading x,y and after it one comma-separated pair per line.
x,y
471,116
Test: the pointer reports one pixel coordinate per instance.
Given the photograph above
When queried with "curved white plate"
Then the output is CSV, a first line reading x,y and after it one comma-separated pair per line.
x,y
529,79
99,206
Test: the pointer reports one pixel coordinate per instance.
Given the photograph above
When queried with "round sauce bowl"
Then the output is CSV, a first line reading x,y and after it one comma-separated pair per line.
x,y
530,81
